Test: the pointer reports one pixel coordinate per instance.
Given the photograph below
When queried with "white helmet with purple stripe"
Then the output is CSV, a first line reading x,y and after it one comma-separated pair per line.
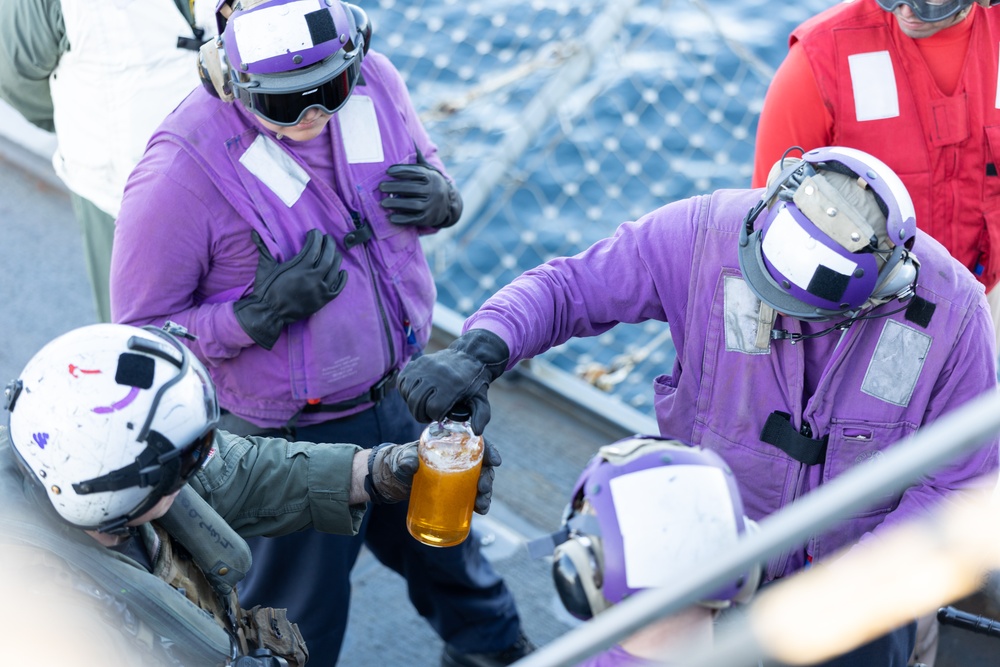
x,y
831,236
108,419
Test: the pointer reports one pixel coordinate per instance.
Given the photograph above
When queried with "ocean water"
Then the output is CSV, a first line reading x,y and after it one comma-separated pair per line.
x,y
561,119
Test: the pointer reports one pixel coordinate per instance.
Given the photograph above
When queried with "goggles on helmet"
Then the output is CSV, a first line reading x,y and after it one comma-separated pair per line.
x,y
286,98
928,11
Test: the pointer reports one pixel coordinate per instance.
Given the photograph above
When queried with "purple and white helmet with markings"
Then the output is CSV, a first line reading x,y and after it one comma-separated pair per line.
x,y
831,236
645,511
284,57
108,419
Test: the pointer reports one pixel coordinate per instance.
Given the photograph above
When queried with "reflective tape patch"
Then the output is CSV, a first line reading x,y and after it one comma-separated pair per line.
x,y
274,31
874,83
895,367
658,545
359,129
996,103
794,253
276,169
741,316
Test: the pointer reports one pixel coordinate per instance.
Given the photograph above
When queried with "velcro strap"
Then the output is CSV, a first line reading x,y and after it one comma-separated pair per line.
x,y
192,44
778,431
360,235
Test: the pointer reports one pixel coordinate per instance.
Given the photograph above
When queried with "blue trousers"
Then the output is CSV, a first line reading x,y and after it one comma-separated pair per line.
x,y
891,650
455,588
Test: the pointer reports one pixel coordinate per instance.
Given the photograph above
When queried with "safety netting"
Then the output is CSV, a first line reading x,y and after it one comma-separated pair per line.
x,y
561,119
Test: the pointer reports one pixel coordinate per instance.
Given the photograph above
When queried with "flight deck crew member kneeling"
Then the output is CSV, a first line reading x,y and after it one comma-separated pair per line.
x,y
809,338
123,508
277,214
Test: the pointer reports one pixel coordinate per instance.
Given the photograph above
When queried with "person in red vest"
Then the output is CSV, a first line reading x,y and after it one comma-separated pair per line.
x,y
913,82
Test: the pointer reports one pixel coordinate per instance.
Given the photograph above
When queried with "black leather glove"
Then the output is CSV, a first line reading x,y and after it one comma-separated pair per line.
x,y
420,195
290,291
390,472
484,490
434,383
391,469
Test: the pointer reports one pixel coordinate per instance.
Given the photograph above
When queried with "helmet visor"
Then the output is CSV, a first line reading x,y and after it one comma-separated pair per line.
x,y
287,108
193,457
928,11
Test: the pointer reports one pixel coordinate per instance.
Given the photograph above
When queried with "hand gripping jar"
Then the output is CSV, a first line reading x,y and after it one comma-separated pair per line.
x,y
444,488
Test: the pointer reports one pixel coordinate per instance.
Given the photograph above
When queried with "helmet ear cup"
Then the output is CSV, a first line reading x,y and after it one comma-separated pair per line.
x,y
899,282
751,582
213,71
576,571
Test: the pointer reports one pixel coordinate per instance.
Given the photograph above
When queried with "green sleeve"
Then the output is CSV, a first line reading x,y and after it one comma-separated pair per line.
x,y
185,8
269,486
32,39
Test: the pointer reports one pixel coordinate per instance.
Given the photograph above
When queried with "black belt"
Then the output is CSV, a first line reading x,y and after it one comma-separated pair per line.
x,y
377,392
239,426
778,431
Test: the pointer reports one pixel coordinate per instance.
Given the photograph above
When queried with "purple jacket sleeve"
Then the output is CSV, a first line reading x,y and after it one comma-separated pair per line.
x,y
641,273
162,250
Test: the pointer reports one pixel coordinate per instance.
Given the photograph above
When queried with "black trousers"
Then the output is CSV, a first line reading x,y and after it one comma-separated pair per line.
x,y
891,650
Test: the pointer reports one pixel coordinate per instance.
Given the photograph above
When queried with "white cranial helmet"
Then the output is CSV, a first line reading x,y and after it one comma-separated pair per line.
x,y
109,419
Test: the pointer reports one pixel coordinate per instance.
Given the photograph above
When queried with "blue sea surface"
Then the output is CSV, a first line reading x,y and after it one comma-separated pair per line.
x,y
653,102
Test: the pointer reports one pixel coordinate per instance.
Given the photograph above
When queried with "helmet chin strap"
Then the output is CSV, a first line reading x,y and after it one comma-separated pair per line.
x,y
784,334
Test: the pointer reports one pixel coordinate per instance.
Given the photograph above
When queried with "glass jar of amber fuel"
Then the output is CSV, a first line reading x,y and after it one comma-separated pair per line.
x,y
444,488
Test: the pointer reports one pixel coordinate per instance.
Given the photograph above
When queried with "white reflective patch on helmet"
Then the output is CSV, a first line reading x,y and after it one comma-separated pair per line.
x,y
274,31
658,544
796,254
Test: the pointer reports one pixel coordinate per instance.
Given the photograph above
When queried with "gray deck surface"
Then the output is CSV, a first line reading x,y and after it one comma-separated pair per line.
x,y
544,441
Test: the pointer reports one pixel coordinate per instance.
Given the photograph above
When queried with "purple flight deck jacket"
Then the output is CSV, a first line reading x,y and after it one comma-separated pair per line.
x,y
183,249
883,380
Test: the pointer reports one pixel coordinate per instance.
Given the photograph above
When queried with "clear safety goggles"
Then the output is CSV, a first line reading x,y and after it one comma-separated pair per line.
x,y
928,11
285,98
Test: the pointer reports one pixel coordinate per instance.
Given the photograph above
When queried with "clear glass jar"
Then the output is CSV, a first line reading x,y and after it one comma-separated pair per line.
x,y
443,494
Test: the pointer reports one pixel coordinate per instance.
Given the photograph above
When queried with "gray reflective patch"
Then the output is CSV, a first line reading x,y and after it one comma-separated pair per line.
x,y
899,356
742,309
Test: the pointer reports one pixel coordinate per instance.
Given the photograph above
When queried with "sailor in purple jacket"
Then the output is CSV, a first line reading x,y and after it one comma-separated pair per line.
x,y
809,337
283,231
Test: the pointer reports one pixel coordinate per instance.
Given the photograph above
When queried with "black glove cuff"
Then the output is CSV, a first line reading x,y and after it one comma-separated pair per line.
x,y
485,347
454,207
375,497
257,320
